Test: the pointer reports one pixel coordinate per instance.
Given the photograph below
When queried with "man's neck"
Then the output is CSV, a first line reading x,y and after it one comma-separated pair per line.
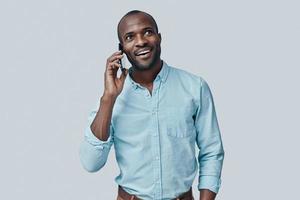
x,y
147,77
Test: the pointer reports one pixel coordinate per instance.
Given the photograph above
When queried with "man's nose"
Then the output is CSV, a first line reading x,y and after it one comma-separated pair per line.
x,y
140,41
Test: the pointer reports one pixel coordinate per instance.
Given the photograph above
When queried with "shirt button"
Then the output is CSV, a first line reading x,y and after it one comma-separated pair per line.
x,y
157,157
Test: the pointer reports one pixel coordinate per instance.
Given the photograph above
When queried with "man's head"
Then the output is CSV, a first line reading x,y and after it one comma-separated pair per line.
x,y
140,40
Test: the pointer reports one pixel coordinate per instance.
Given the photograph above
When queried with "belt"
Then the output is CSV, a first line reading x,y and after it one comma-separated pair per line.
x,y
126,196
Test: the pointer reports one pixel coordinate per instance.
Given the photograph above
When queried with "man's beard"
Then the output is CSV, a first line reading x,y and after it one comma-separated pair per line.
x,y
142,67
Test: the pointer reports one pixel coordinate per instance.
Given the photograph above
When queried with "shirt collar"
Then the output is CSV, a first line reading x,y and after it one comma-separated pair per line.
x,y
162,75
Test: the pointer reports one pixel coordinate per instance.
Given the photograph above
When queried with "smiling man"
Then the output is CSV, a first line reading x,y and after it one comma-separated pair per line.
x,y
154,115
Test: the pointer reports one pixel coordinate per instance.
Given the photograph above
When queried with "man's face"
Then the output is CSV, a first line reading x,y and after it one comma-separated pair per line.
x,y
140,41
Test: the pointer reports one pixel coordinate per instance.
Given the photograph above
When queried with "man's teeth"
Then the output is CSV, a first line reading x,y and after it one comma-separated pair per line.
x,y
143,52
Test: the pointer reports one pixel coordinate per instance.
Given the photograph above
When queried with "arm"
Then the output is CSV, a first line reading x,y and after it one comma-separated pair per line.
x,y
99,133
98,137
211,152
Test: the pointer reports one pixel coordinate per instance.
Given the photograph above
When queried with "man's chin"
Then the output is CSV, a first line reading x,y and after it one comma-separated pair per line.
x,y
143,66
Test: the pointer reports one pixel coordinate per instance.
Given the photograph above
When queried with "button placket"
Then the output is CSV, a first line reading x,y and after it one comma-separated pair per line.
x,y
154,112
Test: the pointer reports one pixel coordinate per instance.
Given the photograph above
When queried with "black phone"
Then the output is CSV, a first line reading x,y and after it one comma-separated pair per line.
x,y
120,61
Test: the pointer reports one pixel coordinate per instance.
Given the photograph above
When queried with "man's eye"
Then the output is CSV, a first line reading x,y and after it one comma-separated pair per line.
x,y
128,37
148,32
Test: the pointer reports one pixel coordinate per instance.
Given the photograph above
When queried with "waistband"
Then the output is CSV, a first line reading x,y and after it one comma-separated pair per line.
x,y
126,196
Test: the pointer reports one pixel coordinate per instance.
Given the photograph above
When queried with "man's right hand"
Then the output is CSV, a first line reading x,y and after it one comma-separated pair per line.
x,y
113,85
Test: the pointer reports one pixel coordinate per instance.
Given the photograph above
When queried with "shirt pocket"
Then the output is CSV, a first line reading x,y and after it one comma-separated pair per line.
x,y
180,123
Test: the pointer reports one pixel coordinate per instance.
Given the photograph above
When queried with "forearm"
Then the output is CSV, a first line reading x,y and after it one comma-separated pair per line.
x,y
207,195
98,136
100,125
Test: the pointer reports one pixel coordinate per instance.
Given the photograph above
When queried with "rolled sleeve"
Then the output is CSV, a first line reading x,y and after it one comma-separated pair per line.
x,y
209,142
94,152
209,182
93,140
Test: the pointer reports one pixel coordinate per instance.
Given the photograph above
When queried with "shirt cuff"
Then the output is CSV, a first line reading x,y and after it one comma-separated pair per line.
x,y
211,183
93,140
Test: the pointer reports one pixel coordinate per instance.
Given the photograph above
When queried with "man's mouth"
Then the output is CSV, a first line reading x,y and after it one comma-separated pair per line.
x,y
143,53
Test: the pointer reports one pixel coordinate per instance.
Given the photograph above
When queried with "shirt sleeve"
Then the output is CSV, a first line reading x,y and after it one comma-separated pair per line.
x,y
211,152
93,152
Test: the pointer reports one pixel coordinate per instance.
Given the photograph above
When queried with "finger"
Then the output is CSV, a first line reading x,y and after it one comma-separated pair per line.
x,y
114,57
123,74
117,52
112,70
114,65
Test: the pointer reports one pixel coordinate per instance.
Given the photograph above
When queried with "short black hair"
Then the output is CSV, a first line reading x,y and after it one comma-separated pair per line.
x,y
133,12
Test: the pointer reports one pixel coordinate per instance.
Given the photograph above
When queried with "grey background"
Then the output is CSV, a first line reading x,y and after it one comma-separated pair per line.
x,y
52,62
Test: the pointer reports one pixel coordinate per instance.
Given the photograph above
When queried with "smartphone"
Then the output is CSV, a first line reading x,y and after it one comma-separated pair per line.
x,y
121,61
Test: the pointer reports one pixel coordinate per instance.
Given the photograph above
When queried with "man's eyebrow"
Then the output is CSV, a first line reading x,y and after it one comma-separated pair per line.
x,y
149,27
131,33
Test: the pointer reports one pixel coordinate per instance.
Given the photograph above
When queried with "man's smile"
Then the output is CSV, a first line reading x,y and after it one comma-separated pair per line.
x,y
143,53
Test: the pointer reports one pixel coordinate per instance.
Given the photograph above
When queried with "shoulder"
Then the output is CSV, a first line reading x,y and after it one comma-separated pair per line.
x,y
196,85
186,76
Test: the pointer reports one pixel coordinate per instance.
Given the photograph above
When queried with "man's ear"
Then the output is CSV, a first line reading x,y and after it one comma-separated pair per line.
x,y
159,35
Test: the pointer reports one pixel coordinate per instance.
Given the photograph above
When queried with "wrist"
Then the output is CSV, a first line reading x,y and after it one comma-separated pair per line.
x,y
108,97
206,194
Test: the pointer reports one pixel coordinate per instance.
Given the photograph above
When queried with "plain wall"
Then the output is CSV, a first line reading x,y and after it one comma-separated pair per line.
x,y
53,56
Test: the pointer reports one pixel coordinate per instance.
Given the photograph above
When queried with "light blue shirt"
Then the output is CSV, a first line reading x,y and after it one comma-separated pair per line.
x,y
156,137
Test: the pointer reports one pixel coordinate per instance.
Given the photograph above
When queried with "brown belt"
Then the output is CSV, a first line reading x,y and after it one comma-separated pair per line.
x,y
126,196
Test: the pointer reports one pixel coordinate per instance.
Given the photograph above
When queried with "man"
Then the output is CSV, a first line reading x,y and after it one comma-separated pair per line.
x,y
154,114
